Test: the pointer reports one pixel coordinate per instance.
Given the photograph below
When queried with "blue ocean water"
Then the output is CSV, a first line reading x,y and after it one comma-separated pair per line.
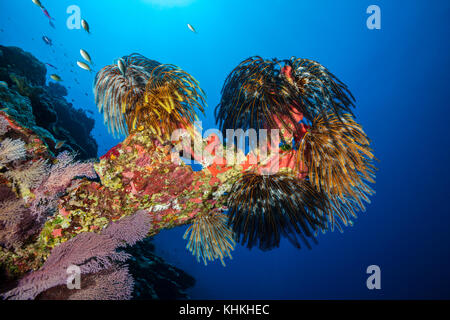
x,y
398,74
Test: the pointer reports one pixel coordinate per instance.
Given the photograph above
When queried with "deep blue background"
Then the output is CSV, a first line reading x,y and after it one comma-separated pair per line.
x,y
399,76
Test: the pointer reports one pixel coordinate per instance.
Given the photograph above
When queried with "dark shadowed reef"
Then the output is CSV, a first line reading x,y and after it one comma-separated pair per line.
x,y
41,107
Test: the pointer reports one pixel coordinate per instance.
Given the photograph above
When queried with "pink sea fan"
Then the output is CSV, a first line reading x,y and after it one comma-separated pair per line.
x,y
59,177
11,150
90,251
64,171
130,229
115,283
29,175
4,125
16,223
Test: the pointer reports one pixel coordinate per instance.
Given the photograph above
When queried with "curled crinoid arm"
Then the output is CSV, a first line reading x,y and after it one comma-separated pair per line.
x,y
318,90
255,96
339,161
210,238
264,208
170,101
117,91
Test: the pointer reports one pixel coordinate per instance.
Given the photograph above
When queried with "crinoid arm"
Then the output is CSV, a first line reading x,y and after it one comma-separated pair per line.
x,y
170,101
273,94
254,96
319,92
117,91
265,208
210,238
337,154
140,92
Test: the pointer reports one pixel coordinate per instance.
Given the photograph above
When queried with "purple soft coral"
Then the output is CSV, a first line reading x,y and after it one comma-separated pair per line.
x,y
92,252
59,177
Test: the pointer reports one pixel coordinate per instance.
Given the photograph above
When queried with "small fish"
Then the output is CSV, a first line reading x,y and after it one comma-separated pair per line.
x,y
121,65
85,25
38,3
50,65
191,28
46,13
3,84
55,77
85,56
47,40
59,144
83,65
51,24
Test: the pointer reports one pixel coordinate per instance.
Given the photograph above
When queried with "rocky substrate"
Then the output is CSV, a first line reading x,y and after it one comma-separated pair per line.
x,y
43,108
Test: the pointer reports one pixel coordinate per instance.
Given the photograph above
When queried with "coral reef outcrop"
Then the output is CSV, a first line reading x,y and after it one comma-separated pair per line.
x,y
42,108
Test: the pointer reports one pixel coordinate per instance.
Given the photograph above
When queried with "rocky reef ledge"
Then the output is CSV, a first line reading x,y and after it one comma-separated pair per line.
x,y
42,108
